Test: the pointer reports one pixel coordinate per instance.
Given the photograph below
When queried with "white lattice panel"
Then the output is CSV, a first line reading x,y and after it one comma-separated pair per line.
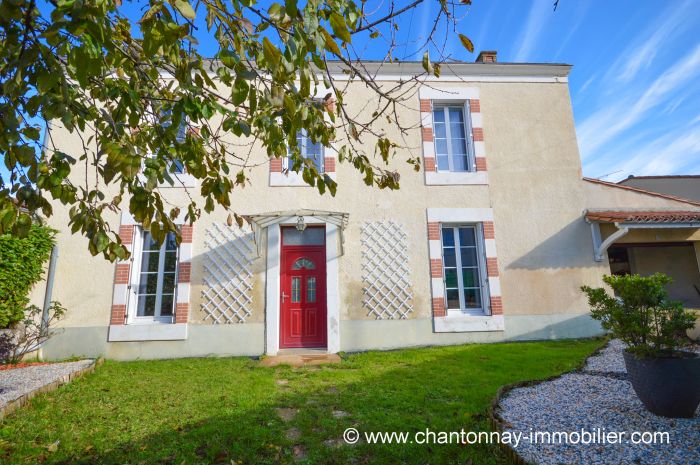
x,y
226,296
387,291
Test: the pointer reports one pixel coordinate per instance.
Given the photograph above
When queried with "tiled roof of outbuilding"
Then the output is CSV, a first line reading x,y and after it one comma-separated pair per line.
x,y
651,217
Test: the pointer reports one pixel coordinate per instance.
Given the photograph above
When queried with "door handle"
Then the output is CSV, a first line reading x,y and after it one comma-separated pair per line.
x,y
284,296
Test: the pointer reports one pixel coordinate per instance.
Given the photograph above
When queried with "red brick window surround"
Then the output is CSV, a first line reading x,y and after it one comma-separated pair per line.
x,y
439,166
127,274
325,158
451,290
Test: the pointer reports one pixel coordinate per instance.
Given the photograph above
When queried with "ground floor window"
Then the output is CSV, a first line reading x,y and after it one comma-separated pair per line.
x,y
154,283
463,269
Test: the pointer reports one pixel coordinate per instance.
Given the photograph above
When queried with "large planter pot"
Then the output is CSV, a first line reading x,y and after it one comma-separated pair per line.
x,y
667,386
694,332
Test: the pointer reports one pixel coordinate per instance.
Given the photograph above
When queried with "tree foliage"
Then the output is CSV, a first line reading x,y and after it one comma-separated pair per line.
x,y
125,88
640,313
22,263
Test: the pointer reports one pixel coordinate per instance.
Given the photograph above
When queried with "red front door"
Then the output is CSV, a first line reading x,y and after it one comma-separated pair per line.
x,y
303,288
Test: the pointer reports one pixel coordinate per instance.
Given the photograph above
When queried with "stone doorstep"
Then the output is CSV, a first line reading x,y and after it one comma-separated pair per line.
x,y
300,360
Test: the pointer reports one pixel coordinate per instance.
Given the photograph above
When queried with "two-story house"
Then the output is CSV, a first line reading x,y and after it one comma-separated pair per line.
x,y
491,241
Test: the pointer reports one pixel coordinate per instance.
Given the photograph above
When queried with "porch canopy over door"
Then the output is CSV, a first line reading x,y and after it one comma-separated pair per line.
x,y
258,222
625,221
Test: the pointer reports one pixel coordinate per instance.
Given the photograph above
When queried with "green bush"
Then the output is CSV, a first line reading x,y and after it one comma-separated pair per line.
x,y
21,266
640,313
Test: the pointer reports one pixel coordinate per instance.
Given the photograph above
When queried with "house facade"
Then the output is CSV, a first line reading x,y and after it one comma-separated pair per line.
x,y
490,242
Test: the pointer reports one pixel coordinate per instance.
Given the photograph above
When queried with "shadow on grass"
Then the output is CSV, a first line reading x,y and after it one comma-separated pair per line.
x,y
436,389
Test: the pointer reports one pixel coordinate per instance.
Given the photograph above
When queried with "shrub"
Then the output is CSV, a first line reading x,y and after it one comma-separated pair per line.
x,y
7,347
29,334
640,313
21,266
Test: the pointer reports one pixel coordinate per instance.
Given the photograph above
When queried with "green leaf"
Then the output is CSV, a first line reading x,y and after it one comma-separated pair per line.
x,y
185,9
240,91
466,43
101,241
23,225
291,7
427,66
331,44
275,11
272,53
151,12
340,28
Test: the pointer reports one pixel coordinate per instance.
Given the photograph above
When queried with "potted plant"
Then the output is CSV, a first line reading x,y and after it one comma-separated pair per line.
x,y
665,377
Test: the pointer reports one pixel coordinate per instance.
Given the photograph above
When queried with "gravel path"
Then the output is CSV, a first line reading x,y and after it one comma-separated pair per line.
x,y
19,381
599,397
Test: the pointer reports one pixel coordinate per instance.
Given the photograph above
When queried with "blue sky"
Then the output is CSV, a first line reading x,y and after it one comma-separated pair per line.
x,y
635,85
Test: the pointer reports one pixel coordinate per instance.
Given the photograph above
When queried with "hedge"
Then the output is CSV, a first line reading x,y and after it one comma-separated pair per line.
x,y
21,266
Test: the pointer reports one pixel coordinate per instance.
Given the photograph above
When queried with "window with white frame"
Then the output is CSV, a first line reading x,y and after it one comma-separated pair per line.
x,y
464,269
452,137
154,279
175,166
310,150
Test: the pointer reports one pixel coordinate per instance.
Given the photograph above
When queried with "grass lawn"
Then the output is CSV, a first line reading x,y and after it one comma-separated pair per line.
x,y
193,411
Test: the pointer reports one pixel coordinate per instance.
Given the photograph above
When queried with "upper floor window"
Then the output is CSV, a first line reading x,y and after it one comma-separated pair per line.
x,y
310,150
155,281
463,269
175,166
452,137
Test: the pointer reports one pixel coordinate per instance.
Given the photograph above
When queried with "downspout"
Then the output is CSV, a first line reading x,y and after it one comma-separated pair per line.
x,y
49,291
52,262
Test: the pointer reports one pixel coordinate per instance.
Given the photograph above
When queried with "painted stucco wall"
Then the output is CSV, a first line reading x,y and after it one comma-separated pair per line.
x,y
605,196
687,187
544,245
680,263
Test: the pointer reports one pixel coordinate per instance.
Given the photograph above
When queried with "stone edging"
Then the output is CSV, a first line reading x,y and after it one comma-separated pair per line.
x,y
65,379
497,423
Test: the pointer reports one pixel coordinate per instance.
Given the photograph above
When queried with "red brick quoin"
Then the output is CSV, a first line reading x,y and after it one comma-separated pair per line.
x,y
492,266
186,232
121,273
489,232
433,231
183,274
182,312
496,306
474,106
439,306
276,165
118,315
436,267
126,233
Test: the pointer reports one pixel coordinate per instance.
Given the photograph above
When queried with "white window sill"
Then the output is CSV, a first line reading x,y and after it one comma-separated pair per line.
x,y
291,179
148,332
446,178
182,180
468,323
